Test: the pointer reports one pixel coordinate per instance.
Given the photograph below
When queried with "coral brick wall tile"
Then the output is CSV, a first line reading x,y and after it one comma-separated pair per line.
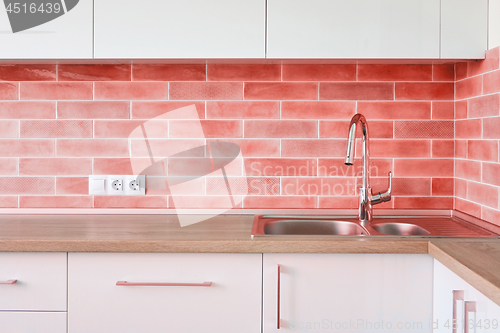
x,y
477,164
60,123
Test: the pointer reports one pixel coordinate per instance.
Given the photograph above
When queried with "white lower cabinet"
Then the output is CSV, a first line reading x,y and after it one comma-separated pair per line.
x,y
244,293
347,293
33,322
33,281
454,299
164,293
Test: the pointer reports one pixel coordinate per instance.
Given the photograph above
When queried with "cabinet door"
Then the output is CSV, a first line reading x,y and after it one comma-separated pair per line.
x,y
231,304
487,317
464,29
52,29
353,29
33,281
180,29
33,322
347,293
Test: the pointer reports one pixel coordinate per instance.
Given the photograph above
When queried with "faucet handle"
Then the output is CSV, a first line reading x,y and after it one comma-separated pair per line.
x,y
383,197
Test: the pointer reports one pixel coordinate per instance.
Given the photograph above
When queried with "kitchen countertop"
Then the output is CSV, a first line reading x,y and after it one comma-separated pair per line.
x,y
476,260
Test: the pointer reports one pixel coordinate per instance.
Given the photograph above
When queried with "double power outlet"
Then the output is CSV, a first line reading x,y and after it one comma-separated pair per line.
x,y
117,185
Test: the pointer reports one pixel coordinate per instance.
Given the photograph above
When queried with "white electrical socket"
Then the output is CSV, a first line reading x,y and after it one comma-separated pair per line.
x,y
117,185
135,185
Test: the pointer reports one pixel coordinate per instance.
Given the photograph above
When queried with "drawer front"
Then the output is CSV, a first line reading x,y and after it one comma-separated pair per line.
x,y
40,281
33,322
232,303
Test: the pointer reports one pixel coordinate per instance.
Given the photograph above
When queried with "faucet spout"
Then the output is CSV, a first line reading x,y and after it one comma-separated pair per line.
x,y
366,198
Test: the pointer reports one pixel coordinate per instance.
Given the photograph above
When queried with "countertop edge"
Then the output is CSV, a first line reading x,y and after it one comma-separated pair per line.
x,y
217,246
474,278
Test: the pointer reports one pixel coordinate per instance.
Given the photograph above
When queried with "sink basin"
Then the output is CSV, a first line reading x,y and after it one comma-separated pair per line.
x,y
313,227
400,229
397,224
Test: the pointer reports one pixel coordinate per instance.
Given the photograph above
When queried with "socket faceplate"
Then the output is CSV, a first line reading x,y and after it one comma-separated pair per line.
x,y
117,185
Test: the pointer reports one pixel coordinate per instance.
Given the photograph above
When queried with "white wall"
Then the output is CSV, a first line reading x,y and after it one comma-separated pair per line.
x,y
494,24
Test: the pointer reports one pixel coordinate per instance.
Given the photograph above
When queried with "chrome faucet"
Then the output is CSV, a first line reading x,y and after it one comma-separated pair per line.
x,y
366,198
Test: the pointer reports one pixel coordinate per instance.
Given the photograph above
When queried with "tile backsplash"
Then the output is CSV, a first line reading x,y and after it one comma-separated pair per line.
x,y
63,122
477,134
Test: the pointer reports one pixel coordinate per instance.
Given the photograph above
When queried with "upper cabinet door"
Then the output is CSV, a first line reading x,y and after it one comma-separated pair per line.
x,y
48,29
353,29
464,29
180,29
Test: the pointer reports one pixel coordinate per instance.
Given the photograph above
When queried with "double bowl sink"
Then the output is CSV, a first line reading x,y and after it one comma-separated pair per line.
x,y
423,226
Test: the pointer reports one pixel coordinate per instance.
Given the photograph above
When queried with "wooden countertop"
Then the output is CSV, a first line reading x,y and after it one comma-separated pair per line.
x,y
478,263
475,260
162,233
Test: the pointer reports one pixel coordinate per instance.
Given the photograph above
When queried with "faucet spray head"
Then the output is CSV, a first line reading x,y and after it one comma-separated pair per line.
x,y
351,144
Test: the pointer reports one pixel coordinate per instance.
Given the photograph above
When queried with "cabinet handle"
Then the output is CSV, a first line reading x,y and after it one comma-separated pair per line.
x,y
458,295
162,284
8,282
469,307
279,297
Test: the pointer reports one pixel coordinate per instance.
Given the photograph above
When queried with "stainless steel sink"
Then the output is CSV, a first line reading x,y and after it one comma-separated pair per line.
x,y
314,227
400,229
348,225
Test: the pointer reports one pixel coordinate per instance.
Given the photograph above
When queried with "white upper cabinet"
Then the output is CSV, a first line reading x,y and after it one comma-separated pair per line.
x,y
52,29
353,28
180,29
464,29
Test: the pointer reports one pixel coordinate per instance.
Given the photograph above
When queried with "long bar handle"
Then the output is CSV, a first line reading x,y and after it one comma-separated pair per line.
x,y
279,298
162,284
469,307
8,282
458,295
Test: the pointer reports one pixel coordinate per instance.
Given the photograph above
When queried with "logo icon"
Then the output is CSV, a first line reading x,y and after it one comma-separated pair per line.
x,y
185,167
27,14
